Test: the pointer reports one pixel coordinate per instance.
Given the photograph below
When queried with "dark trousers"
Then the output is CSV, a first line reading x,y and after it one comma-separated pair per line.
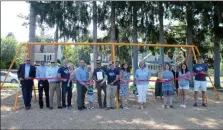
x,y
43,85
99,88
81,91
27,88
66,90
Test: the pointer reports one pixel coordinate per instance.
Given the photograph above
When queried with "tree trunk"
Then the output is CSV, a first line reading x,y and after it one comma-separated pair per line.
x,y
95,31
112,18
161,32
216,48
56,40
190,38
189,34
32,31
134,37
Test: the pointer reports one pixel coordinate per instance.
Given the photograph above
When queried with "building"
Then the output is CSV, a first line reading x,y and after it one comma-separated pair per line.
x,y
46,53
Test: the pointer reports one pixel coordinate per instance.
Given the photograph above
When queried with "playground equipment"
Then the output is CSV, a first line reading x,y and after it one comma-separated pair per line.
x,y
192,48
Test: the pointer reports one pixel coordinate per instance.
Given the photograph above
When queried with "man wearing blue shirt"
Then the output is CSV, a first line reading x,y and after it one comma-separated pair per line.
x,y
82,78
54,84
43,84
200,80
111,89
64,76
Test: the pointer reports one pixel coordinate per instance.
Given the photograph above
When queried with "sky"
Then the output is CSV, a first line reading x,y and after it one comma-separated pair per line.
x,y
10,22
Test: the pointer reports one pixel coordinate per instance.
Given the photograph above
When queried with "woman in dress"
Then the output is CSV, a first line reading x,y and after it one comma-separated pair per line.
x,y
124,84
184,83
168,86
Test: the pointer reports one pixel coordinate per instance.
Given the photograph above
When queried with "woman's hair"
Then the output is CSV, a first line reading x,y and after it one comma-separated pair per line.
x,y
128,68
72,66
186,70
164,67
143,62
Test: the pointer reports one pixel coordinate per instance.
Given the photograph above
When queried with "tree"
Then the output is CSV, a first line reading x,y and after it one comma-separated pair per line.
x,y
8,51
32,29
161,32
95,31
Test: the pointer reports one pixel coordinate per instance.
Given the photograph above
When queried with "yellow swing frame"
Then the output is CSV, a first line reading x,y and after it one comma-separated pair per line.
x,y
192,48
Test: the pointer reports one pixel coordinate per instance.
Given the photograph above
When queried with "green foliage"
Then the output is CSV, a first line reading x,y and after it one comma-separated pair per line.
x,y
75,53
8,51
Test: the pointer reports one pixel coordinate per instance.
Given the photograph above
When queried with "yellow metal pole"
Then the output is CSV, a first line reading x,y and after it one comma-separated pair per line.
x,y
113,59
195,58
10,67
16,99
188,56
198,52
23,61
110,44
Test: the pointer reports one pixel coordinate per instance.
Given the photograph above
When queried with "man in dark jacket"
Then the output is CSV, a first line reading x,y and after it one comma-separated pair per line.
x,y
26,73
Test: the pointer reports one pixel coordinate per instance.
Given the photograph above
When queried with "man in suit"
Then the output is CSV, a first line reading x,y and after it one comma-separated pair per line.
x,y
26,73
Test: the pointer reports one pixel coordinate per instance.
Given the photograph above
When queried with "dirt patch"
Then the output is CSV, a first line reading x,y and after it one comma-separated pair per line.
x,y
154,116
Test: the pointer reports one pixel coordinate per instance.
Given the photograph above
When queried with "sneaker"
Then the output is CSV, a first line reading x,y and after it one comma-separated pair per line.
x,y
181,105
184,106
165,106
84,107
195,105
112,107
69,108
142,107
89,108
92,108
107,108
121,107
171,106
59,107
80,108
126,108
204,105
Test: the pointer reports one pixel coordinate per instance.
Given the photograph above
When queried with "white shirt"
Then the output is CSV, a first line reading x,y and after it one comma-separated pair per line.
x,y
52,72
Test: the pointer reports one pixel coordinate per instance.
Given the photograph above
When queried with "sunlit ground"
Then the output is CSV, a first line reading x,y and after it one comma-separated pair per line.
x,y
153,117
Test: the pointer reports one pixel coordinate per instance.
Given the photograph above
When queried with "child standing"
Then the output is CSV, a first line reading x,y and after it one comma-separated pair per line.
x,y
90,89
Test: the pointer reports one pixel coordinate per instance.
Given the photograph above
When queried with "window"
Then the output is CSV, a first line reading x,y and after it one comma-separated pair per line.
x,y
2,73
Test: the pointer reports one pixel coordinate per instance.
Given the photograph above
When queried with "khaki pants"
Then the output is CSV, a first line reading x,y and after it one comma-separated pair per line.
x,y
55,87
110,92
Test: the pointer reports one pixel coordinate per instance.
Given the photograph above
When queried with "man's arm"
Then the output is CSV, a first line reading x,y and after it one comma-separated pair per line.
x,y
149,75
78,78
19,72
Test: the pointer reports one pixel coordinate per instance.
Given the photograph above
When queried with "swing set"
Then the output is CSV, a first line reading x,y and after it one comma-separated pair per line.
x,y
192,49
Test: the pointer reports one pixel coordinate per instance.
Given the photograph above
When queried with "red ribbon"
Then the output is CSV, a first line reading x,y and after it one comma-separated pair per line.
x,y
122,82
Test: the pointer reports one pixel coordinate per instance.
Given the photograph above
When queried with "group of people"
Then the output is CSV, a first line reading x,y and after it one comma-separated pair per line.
x,y
109,80
182,84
